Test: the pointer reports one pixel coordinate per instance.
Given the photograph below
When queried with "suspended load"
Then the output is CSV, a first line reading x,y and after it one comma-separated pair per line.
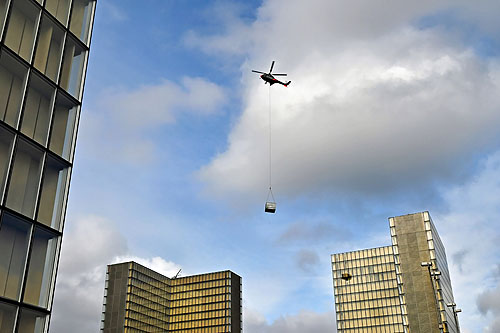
x,y
270,205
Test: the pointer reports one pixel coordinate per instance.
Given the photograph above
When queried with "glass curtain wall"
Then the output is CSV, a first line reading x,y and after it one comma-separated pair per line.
x,y
6,142
12,80
22,28
7,317
366,291
44,46
14,241
37,109
139,299
49,48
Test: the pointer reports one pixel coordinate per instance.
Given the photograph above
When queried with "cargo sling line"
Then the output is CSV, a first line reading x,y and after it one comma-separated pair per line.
x,y
270,194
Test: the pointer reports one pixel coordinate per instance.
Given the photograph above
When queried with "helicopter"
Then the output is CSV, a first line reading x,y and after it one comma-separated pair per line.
x,y
270,78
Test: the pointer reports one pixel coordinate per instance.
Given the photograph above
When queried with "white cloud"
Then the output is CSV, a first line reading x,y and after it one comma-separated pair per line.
x,y
489,304
470,229
157,264
302,322
307,260
308,232
125,118
156,104
88,247
384,107
112,11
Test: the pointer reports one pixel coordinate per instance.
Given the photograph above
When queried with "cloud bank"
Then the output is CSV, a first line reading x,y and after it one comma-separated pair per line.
x,y
304,321
91,245
377,104
126,120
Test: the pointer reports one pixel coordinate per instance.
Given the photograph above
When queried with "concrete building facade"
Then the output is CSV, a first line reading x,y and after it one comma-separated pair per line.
x,y
412,294
138,299
44,46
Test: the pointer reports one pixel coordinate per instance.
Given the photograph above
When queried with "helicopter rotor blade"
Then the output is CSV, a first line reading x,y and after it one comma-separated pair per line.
x,y
279,74
258,72
272,65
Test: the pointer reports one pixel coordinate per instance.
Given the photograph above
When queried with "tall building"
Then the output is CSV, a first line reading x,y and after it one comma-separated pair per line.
x,y
138,299
44,47
404,287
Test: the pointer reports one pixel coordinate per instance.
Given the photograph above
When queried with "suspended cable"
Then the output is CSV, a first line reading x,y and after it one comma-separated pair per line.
x,y
270,205
270,141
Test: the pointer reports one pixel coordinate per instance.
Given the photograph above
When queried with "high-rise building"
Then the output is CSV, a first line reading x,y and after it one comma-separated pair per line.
x,y
44,46
405,287
138,299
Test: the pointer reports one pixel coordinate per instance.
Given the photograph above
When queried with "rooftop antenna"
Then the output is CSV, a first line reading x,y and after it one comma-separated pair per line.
x,y
177,275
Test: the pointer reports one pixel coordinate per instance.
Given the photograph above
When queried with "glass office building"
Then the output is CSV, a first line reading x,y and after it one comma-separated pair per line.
x,y
404,287
138,299
367,298
44,46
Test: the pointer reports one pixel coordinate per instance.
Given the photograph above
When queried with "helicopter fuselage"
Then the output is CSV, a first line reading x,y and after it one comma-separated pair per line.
x,y
269,78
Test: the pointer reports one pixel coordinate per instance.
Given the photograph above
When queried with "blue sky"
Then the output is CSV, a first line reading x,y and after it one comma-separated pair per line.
x,y
389,113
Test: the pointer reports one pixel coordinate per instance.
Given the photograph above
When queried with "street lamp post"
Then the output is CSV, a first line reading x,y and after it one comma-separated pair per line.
x,y
453,306
434,275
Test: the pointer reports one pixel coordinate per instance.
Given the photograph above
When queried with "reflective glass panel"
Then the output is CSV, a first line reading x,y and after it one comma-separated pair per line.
x,y
81,19
49,48
63,126
12,81
21,28
72,70
43,252
58,8
7,317
52,196
24,179
31,322
6,140
14,240
36,115
3,12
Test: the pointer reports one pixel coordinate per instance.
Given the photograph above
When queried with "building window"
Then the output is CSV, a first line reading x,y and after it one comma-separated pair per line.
x,y
14,240
7,317
53,189
63,127
58,8
81,19
36,115
49,48
3,13
12,81
43,252
6,140
73,65
25,177
21,29
31,322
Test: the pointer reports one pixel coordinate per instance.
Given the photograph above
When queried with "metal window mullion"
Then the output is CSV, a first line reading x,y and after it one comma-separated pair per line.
x,y
25,273
10,157
8,10
37,30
